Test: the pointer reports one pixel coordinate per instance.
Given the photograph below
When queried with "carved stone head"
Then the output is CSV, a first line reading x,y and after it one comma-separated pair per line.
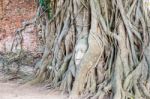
x,y
80,50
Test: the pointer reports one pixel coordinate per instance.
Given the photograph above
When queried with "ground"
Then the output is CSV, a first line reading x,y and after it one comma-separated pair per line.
x,y
14,90
11,90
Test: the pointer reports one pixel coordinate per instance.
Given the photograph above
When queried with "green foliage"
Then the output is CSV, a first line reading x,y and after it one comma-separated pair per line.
x,y
45,4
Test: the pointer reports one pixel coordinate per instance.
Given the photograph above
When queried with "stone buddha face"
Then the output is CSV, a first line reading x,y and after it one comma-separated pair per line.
x,y
80,50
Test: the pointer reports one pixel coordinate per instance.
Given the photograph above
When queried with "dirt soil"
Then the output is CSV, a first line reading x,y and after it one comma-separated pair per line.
x,y
14,90
11,90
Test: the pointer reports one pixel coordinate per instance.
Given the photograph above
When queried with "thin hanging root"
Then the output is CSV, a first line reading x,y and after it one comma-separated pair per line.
x,y
60,72
63,68
93,81
145,91
67,82
36,80
90,82
99,95
41,76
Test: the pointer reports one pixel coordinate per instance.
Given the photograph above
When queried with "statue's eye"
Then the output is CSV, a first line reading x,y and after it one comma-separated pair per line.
x,y
76,50
82,51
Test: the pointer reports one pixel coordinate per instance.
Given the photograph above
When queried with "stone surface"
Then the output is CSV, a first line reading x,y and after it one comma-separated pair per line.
x,y
80,50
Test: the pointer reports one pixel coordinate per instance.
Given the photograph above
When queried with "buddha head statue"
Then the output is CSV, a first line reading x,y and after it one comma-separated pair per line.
x,y
80,50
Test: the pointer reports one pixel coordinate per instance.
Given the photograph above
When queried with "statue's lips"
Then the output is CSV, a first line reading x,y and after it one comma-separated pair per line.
x,y
77,61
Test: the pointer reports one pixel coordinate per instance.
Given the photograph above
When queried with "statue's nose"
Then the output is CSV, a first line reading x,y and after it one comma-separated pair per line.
x,y
78,55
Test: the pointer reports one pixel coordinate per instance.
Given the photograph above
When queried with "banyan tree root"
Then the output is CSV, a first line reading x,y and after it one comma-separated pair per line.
x,y
116,62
